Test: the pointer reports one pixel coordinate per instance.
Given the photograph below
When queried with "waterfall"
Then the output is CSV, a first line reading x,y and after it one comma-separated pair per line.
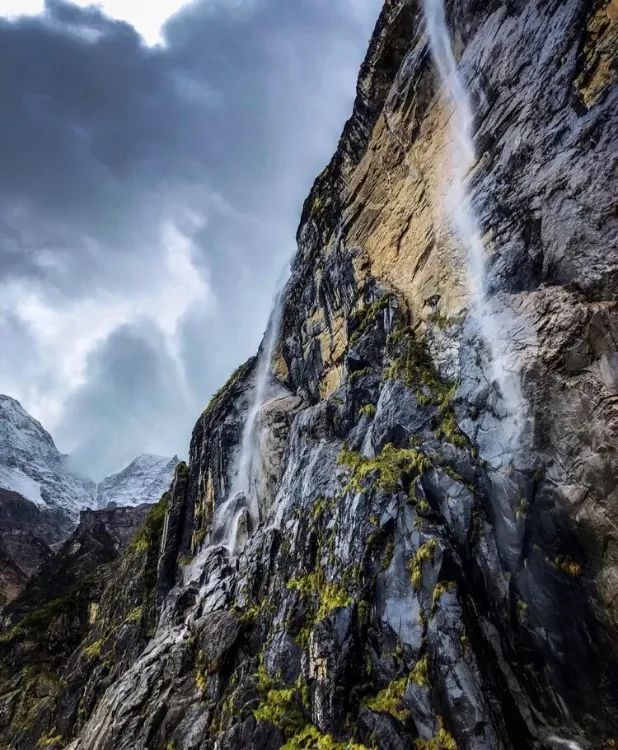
x,y
495,330
240,513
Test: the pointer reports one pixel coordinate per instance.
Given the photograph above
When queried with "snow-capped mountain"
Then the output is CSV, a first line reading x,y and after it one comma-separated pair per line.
x,y
31,465
143,481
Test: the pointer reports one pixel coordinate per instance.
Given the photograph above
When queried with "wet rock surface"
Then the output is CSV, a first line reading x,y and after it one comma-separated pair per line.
x,y
418,578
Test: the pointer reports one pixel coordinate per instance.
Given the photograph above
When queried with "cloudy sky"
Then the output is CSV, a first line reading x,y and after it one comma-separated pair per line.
x,y
154,159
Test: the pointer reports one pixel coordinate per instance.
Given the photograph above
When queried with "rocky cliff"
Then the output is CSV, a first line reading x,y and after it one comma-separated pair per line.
x,y
434,559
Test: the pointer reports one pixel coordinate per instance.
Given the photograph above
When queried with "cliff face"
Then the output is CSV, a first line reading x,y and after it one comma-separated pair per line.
x,y
436,563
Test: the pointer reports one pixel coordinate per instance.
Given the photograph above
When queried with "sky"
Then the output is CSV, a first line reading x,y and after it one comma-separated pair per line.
x,y
155,157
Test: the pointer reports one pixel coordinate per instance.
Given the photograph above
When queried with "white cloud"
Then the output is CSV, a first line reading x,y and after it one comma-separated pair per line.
x,y
66,331
147,18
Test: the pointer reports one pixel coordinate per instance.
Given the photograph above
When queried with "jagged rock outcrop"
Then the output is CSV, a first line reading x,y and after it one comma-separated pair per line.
x,y
43,629
428,571
25,534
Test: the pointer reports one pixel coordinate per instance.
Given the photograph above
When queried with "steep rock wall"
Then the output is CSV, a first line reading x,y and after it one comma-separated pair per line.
x,y
419,579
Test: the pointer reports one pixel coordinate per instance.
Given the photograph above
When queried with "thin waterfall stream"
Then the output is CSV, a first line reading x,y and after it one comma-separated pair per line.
x,y
239,515
466,223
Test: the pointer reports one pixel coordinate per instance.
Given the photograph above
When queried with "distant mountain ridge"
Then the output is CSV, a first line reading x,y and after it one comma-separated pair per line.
x,y
32,466
41,499
144,480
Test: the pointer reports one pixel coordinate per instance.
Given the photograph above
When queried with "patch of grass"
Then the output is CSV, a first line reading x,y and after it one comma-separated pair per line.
x,y
441,588
310,738
390,700
367,410
442,740
94,649
149,536
135,615
365,316
425,553
389,467
419,674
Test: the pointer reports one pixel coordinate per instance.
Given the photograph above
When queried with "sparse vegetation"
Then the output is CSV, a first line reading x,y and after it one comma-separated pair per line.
x,y
367,410
149,536
135,615
310,738
390,466
390,700
568,566
442,740
362,318
94,649
419,674
441,588
425,553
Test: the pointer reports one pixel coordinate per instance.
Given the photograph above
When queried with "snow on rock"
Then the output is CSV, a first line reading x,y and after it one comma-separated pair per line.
x,y
31,465
143,481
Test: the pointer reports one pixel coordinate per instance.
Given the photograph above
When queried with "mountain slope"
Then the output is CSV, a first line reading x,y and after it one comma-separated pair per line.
x,y
432,564
31,465
144,480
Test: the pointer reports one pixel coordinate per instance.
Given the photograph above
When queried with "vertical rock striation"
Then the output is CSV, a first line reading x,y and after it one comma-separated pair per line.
x,y
419,578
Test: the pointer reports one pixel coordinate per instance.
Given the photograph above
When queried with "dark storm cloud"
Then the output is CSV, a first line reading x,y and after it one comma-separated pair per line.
x,y
112,152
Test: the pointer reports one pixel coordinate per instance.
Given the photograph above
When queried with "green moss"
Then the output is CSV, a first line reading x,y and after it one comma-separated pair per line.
x,y
388,555
390,700
388,468
250,614
362,318
449,430
94,649
149,536
135,615
442,740
318,203
441,588
319,506
49,740
358,374
425,553
281,706
367,410
40,619
363,612
419,674
201,680
325,595
411,363
310,738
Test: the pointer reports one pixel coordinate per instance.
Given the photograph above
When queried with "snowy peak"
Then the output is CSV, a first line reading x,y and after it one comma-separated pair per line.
x,y
143,481
31,465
